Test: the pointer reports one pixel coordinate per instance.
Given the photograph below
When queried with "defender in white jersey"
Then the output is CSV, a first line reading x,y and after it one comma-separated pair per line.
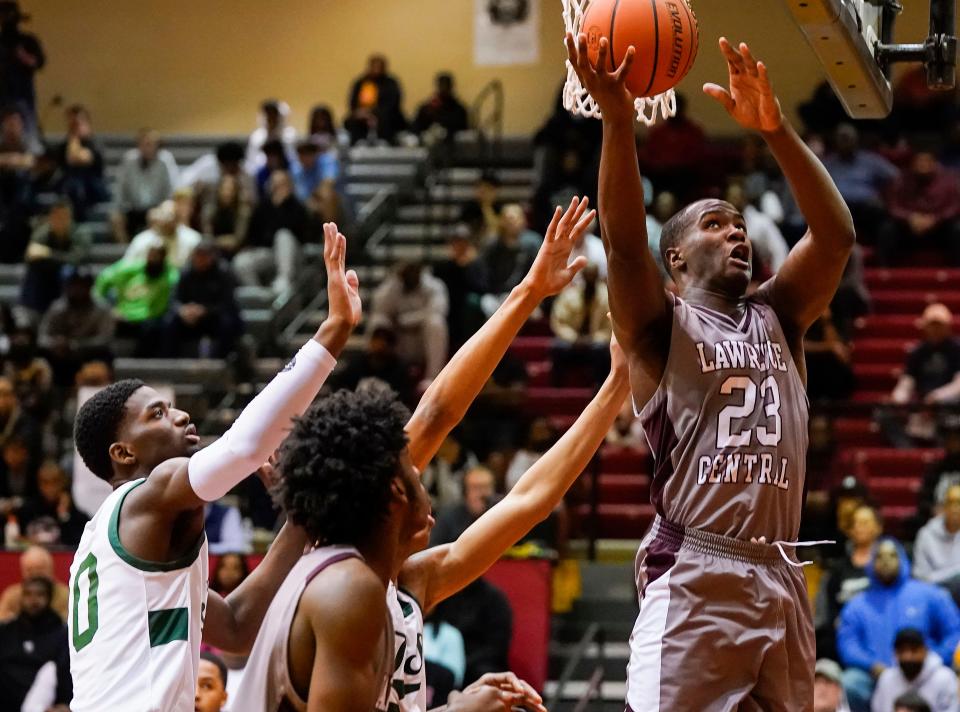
x,y
138,584
719,376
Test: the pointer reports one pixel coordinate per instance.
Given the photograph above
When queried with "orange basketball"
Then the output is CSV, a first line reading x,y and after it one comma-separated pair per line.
x,y
664,33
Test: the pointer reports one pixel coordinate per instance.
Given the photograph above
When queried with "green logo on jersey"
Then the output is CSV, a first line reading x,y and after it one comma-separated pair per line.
x,y
82,640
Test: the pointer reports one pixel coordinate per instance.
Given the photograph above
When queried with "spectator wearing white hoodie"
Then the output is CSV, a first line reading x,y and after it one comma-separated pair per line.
x,y
917,670
936,554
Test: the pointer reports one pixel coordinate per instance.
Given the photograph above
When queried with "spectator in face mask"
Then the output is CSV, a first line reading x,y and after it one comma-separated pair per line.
x,y
917,670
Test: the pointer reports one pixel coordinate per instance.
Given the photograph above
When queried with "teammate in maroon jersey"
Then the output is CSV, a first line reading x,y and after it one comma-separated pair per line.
x,y
724,620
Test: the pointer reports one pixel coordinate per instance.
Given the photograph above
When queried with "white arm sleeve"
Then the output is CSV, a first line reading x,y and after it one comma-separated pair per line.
x,y
262,425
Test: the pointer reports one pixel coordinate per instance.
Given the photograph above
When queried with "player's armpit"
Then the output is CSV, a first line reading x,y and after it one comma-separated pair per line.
x,y
348,612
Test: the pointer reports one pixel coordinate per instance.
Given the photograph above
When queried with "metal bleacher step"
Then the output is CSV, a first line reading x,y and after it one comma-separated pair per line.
x,y
211,373
387,154
382,173
464,193
610,691
422,212
469,176
419,232
411,253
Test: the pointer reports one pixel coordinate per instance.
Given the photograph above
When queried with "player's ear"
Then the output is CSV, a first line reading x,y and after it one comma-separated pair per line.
x,y
122,454
398,490
676,262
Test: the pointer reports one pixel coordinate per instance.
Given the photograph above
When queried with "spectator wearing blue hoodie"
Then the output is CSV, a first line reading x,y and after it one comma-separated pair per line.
x,y
869,623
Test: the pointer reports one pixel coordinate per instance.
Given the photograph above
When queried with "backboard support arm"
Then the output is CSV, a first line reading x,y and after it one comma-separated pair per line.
x,y
938,52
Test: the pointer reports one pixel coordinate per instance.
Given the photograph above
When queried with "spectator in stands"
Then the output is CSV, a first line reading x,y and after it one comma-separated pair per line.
x,y
936,553
30,373
852,298
862,177
910,702
225,530
414,303
479,491
140,292
204,174
942,474
770,250
482,614
925,204
491,423
271,249
375,104
36,637
231,571
15,422
323,127
275,158
178,239
828,695
465,278
482,213
509,257
662,208
56,243
918,670
16,158
51,517
316,162
18,468
327,204
893,600
212,678
566,154
147,177
590,246
443,112
205,319
672,155
443,477
21,56
227,217
581,329
443,647
378,363
75,330
35,562
627,430
829,370
848,576
81,162
540,437
931,376
823,112
273,127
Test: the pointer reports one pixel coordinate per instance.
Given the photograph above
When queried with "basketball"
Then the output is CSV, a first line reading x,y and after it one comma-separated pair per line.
x,y
664,33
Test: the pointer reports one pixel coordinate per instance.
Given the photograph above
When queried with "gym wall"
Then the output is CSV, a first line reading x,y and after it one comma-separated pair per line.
x,y
202,66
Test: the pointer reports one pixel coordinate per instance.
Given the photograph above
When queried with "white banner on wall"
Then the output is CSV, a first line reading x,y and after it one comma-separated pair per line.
x,y
506,32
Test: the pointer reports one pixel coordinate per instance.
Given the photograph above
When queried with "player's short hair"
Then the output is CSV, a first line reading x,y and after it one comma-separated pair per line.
x,y
218,661
338,461
673,232
98,420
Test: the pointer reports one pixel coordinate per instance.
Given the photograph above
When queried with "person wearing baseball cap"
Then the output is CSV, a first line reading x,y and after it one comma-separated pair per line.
x,y
828,695
931,376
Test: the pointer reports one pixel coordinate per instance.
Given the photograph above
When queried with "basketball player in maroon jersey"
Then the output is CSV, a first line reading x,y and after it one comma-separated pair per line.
x,y
719,375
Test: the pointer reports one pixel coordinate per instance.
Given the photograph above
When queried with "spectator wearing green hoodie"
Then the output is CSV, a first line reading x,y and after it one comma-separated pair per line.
x,y
139,292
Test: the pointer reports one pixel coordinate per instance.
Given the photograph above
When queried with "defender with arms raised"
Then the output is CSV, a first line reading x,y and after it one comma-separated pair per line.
x,y
138,584
720,380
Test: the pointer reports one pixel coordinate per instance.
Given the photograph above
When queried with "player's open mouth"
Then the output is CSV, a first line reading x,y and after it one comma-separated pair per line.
x,y
740,256
190,433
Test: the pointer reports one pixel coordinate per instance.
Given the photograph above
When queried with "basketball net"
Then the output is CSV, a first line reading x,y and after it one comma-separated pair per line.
x,y
577,100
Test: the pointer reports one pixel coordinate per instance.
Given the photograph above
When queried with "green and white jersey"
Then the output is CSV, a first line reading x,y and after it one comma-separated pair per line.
x,y
408,686
134,625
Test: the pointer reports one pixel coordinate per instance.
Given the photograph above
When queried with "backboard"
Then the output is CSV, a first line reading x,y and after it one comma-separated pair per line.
x,y
845,34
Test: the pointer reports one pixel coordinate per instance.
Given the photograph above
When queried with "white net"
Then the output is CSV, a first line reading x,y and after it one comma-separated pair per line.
x,y
577,100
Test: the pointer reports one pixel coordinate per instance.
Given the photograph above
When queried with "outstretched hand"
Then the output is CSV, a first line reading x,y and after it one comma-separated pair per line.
x,y
552,270
343,285
608,88
750,99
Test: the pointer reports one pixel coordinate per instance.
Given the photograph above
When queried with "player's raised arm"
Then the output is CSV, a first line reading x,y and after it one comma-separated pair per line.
x,y
637,298
449,396
806,282
443,570
264,423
